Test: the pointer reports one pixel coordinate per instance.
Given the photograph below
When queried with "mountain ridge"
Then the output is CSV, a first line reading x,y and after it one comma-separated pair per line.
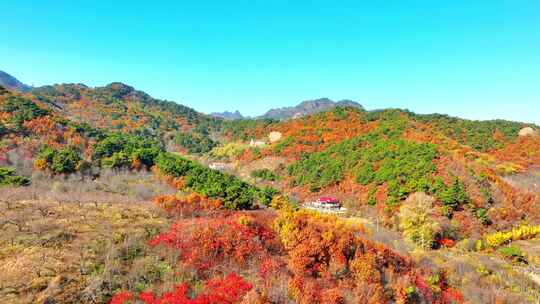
x,y
303,108
10,82
120,106
309,107
228,115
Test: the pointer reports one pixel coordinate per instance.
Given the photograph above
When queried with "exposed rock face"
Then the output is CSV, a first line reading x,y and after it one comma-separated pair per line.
x,y
274,136
228,115
309,107
527,131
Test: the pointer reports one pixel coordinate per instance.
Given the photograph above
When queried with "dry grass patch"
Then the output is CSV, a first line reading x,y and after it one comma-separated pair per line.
x,y
72,253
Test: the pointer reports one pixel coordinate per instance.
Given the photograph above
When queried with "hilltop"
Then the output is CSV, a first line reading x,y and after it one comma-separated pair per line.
x,y
120,107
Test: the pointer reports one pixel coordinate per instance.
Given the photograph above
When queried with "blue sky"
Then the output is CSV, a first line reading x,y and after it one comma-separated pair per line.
x,y
473,59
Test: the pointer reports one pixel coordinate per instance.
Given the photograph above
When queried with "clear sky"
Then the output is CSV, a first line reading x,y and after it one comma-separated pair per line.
x,y
474,59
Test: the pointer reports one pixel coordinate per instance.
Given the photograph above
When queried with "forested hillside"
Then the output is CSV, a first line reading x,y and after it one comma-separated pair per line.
x,y
380,158
74,116
482,136
108,197
119,107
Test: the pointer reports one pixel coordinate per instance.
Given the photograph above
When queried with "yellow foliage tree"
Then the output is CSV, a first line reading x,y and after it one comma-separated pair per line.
x,y
415,220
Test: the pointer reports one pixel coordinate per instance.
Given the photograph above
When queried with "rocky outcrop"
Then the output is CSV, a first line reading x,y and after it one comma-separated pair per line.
x,y
527,131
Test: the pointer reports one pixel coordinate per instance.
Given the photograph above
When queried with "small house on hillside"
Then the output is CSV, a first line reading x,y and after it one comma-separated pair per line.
x,y
220,166
326,204
257,143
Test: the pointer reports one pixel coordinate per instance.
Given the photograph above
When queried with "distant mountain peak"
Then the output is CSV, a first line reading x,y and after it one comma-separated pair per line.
x,y
12,83
228,115
309,107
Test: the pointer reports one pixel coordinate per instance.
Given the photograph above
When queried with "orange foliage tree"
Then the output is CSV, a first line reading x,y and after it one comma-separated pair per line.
x,y
524,152
236,241
328,256
189,205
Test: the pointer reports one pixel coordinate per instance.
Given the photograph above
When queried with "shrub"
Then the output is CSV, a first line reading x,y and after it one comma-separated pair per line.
x,y
8,177
365,174
3,129
204,244
109,145
65,160
264,174
229,150
235,193
372,198
22,110
62,161
482,215
146,155
195,142
507,168
512,252
523,232
266,194
326,251
120,150
282,203
117,160
227,290
188,205
282,144
454,197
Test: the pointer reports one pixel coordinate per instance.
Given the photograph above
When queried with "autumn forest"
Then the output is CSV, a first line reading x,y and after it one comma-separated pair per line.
x,y
109,195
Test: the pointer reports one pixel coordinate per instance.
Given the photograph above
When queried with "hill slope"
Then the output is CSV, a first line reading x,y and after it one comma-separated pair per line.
x,y
12,83
105,126
120,107
381,157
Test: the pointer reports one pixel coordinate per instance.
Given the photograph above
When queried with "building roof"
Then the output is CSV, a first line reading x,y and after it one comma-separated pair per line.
x,y
329,199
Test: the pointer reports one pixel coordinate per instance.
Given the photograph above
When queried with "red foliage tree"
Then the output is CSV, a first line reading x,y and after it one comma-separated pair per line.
x,y
239,240
228,290
524,152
